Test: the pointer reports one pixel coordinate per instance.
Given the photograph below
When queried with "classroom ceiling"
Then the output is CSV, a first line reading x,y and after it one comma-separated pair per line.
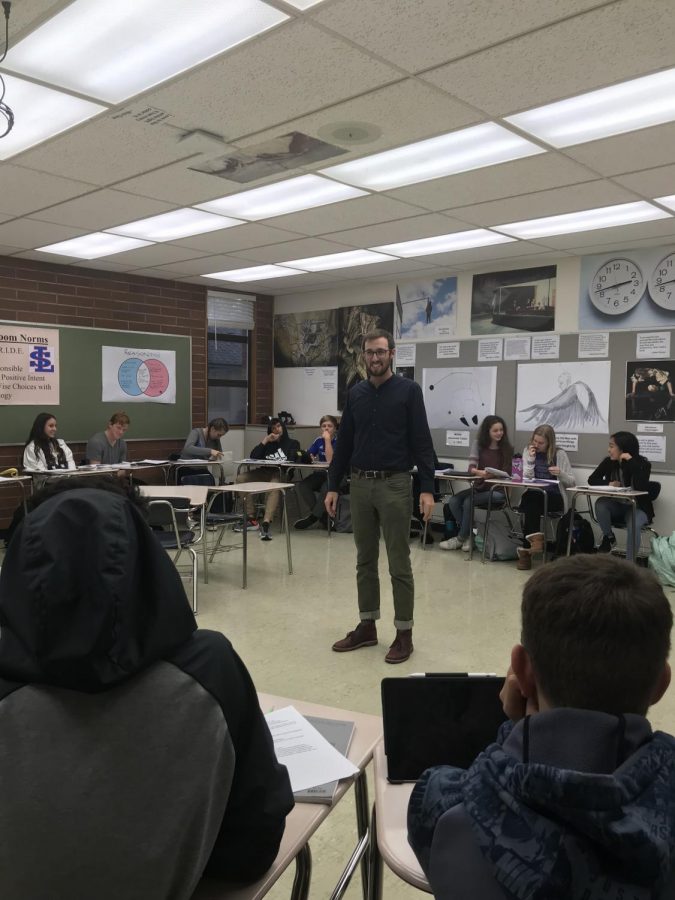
x,y
366,76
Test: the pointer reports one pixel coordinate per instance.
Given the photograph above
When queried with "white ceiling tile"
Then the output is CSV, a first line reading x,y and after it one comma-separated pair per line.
x,y
203,264
177,183
232,240
497,252
27,15
494,182
643,149
29,234
302,249
7,251
106,150
650,183
657,241
24,190
545,203
154,255
614,43
418,34
102,209
279,76
106,265
393,232
357,213
622,234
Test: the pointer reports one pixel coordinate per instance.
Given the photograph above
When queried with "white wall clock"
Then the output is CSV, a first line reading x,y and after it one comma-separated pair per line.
x,y
617,286
661,283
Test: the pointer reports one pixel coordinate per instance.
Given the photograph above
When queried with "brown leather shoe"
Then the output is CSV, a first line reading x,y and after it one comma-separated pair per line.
x,y
364,635
524,559
536,540
402,647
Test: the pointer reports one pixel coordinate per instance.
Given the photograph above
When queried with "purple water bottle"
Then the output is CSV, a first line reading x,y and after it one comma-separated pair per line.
x,y
517,468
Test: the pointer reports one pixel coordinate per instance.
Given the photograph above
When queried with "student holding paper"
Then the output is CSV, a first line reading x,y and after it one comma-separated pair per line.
x,y
490,448
541,460
623,467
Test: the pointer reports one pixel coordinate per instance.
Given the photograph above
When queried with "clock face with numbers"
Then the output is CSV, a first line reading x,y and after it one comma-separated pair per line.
x,y
617,286
661,283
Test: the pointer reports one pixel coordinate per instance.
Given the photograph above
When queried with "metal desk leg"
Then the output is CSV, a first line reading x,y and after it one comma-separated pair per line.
x,y
471,506
544,554
374,862
244,522
573,507
23,495
288,533
487,521
633,515
303,874
362,824
203,525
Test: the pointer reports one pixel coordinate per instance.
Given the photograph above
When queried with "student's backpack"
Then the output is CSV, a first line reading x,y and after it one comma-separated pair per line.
x,y
583,539
662,559
500,544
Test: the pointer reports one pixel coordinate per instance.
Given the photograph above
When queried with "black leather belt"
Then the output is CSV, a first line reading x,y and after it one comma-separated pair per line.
x,y
374,473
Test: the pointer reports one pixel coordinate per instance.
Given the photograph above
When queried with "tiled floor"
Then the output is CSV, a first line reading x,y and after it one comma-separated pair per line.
x,y
467,619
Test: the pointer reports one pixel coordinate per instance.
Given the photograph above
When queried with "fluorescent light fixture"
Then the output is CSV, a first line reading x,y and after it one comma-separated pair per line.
x,y
92,246
586,220
628,106
446,243
174,225
41,113
459,151
113,51
292,195
667,201
254,273
303,4
339,260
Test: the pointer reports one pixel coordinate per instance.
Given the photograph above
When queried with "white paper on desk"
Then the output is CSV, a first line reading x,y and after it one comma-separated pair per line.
x,y
152,462
307,755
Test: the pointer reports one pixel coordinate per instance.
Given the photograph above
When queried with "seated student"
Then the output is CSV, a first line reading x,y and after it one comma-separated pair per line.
x,y
135,757
491,448
624,467
541,459
314,487
109,447
276,445
43,451
204,443
576,799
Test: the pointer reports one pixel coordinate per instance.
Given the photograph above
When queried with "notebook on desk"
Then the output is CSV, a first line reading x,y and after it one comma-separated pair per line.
x,y
438,719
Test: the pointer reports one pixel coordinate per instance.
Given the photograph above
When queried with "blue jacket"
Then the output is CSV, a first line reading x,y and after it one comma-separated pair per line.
x,y
569,803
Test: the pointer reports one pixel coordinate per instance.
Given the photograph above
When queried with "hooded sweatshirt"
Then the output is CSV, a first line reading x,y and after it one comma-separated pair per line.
x,y
286,448
568,804
134,755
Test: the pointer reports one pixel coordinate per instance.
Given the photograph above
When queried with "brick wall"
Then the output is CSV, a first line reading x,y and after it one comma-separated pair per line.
x,y
262,362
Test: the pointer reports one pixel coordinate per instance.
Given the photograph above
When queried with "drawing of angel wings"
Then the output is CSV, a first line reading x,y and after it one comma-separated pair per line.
x,y
571,409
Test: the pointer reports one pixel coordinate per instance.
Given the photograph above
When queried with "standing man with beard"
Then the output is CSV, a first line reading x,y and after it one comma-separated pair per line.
x,y
383,433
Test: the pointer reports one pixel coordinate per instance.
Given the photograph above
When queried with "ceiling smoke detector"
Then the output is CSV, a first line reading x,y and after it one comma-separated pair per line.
x,y
350,133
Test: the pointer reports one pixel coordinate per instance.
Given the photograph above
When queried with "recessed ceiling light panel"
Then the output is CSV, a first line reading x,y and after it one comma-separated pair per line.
x,y
339,261
634,104
113,51
586,220
254,273
93,246
445,243
292,195
40,113
173,226
460,151
667,201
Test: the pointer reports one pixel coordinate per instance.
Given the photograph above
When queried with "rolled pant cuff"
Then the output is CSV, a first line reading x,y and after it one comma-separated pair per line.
x,y
403,626
370,614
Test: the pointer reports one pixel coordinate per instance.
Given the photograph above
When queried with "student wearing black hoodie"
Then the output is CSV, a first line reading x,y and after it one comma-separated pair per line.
x,y
134,755
275,446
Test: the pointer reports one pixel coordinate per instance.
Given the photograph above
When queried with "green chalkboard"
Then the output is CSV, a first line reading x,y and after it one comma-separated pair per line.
x,y
81,412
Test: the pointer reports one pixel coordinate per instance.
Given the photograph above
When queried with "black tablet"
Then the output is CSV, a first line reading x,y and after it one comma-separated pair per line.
x,y
434,720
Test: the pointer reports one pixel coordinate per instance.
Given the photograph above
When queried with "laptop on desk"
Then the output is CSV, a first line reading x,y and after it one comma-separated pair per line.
x,y
438,719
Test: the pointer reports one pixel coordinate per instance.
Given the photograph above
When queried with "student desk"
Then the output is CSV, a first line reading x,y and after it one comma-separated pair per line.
x,y
98,470
195,494
305,818
537,484
19,481
451,477
588,490
255,487
389,829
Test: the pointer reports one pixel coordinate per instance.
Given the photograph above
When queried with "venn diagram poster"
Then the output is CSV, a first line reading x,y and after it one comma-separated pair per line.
x,y
130,375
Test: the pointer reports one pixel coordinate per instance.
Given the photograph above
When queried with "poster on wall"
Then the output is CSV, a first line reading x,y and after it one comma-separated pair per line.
x,y
517,300
307,393
132,375
426,310
649,390
460,397
29,365
628,289
306,339
570,396
352,323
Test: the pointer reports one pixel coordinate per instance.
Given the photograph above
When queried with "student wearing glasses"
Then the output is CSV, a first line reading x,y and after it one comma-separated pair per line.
x,y
383,433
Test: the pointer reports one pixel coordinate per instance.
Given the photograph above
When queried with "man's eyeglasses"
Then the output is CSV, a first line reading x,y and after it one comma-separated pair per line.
x,y
380,354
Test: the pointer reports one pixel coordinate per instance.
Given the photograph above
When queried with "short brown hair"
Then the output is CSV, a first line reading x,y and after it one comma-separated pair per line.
x,y
378,333
597,630
120,418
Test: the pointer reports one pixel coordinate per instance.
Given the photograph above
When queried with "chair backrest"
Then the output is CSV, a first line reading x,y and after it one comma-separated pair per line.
x,y
653,490
169,512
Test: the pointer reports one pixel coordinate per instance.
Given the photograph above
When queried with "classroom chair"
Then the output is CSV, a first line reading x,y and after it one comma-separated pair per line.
x,y
169,519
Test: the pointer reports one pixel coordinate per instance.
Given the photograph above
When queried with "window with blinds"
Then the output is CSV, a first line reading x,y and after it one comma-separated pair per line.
x,y
230,323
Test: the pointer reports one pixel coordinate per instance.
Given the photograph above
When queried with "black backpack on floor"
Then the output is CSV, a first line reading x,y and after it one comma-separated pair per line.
x,y
583,539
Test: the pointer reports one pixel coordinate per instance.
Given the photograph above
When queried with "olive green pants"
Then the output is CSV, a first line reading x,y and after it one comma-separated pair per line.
x,y
383,504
